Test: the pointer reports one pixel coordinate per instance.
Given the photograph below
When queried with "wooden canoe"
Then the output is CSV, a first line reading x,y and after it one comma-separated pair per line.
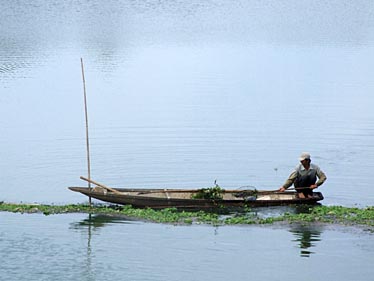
x,y
167,198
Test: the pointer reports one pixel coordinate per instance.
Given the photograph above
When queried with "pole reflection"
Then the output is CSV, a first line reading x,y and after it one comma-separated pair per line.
x,y
90,226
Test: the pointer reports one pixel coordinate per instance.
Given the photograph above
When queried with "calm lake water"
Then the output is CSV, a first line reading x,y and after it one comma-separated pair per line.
x,y
180,94
80,247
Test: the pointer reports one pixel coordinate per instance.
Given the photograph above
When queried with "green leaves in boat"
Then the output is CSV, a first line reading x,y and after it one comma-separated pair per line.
x,y
247,193
212,193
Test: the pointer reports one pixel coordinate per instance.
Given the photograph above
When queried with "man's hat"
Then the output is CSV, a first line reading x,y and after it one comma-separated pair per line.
x,y
304,155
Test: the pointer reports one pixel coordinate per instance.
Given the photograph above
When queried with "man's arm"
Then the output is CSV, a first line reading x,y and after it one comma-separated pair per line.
x,y
321,177
289,181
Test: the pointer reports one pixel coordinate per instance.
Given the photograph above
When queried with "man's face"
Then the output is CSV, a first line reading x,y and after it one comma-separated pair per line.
x,y
304,162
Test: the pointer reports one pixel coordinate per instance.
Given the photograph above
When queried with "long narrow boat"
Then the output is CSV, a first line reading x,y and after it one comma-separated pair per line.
x,y
184,199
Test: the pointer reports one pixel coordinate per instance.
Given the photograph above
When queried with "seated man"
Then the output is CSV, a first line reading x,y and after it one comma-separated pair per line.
x,y
304,177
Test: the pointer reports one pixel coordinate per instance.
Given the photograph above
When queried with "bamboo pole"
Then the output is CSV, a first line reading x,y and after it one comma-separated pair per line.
x,y
87,138
101,185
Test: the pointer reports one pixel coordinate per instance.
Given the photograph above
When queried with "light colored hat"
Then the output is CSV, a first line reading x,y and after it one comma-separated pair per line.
x,y
304,155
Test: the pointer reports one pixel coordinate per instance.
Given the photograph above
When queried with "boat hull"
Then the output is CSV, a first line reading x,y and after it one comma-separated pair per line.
x,y
163,198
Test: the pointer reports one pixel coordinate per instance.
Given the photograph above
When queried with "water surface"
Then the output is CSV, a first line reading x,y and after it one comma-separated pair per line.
x,y
183,93
83,247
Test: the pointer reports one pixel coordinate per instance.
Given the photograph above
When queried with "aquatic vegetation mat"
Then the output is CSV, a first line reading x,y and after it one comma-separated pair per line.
x,y
324,214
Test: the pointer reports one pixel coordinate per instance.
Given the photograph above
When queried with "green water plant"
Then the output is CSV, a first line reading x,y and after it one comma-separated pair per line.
x,y
335,214
313,214
212,193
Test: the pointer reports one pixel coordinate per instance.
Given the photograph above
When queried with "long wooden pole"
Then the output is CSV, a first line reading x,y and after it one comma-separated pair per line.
x,y
101,185
87,138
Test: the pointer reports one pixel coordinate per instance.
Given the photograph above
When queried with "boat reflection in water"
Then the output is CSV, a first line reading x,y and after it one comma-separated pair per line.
x,y
306,237
93,222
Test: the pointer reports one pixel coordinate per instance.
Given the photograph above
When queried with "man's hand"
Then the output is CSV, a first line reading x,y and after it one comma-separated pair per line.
x,y
282,189
313,186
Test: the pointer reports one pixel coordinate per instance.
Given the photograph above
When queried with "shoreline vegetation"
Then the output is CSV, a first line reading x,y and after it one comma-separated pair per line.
x,y
310,214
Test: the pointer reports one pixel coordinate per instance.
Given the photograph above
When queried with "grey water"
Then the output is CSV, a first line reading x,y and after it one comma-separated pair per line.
x,y
180,94
83,247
